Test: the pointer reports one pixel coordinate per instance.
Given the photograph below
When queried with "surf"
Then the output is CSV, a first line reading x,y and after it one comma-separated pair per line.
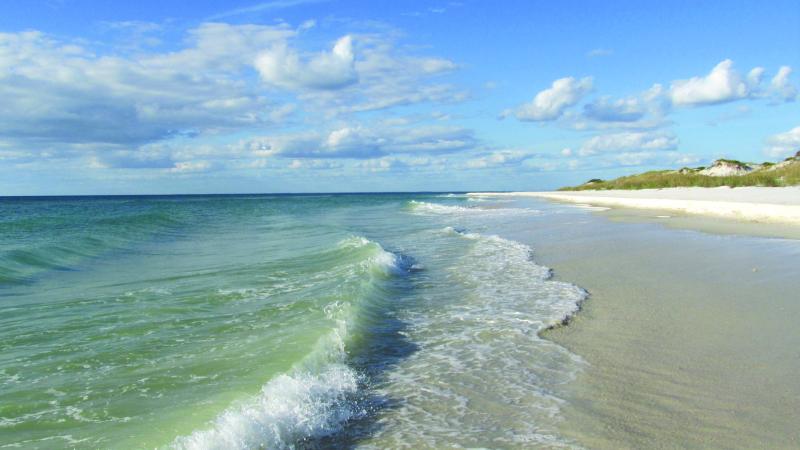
x,y
319,395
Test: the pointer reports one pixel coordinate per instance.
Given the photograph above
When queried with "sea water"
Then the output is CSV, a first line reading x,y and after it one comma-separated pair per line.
x,y
276,321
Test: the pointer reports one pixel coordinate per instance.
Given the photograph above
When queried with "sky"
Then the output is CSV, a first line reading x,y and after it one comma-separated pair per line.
x,y
167,97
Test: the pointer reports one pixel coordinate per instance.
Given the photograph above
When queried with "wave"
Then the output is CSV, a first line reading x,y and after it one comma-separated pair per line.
x,y
320,393
61,242
18,265
486,378
440,209
516,260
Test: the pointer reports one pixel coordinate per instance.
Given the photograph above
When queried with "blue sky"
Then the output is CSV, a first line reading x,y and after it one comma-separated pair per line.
x,y
309,96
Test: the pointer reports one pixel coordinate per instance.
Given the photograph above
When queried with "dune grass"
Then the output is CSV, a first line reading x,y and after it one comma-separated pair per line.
x,y
787,175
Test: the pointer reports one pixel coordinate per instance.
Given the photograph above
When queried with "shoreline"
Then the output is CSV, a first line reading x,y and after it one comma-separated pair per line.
x,y
779,205
688,335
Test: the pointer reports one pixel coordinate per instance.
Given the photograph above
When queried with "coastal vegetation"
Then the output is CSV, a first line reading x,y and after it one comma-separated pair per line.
x,y
724,172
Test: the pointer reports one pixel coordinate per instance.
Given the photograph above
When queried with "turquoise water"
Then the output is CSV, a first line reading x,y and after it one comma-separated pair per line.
x,y
307,321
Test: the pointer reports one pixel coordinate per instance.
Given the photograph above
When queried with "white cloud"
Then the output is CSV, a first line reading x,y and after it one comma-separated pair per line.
x,y
58,94
783,144
360,142
605,109
307,25
629,141
754,77
645,110
64,98
315,164
498,158
641,158
191,166
364,72
722,84
284,67
388,77
780,84
550,103
437,65
381,164
395,163
725,84
650,109
146,158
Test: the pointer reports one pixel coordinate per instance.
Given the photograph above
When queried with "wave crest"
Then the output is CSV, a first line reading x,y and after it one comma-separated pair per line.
x,y
289,409
317,396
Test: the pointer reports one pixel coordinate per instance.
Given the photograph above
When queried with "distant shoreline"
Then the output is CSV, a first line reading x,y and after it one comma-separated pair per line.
x,y
752,204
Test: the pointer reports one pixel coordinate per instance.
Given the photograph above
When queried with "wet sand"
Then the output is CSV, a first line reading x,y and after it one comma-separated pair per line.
x,y
691,337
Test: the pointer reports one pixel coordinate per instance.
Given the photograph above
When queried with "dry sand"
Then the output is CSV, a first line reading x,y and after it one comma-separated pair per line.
x,y
754,204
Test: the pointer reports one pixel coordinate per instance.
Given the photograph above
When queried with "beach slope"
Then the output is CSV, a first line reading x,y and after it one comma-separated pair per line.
x,y
753,204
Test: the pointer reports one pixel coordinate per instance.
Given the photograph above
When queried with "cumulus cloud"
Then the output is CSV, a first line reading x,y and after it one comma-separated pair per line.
x,y
363,72
650,109
754,77
58,93
780,84
67,98
722,84
629,141
284,67
726,84
389,77
783,144
551,103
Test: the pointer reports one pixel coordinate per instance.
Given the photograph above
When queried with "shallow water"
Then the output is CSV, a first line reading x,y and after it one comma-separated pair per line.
x,y
276,322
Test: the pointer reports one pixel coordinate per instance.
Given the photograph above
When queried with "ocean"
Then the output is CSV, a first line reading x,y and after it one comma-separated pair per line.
x,y
278,321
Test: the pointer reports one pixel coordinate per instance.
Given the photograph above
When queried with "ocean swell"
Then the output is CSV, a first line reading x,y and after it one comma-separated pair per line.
x,y
319,395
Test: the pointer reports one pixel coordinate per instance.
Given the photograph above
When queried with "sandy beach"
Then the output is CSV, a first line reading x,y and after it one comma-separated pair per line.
x,y
754,204
688,335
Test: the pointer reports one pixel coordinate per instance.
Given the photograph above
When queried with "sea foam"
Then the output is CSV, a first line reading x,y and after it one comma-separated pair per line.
x,y
427,208
289,409
485,378
317,396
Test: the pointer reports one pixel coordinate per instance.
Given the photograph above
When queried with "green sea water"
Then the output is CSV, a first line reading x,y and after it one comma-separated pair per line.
x,y
276,321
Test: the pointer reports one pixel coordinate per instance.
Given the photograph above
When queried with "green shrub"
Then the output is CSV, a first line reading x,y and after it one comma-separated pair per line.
x,y
787,175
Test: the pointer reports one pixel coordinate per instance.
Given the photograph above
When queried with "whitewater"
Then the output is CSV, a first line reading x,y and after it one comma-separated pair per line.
x,y
277,321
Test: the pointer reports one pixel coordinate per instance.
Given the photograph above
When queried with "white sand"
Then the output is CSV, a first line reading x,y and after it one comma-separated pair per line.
x,y
754,204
